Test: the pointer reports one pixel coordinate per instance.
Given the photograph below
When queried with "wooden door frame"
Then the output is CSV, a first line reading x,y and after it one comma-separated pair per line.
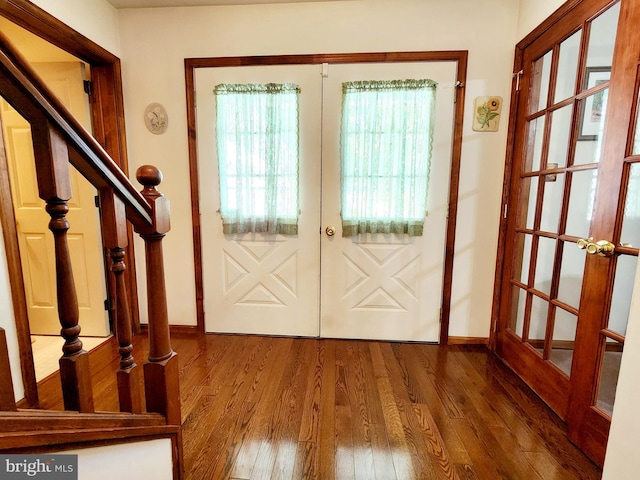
x,y
458,56
107,109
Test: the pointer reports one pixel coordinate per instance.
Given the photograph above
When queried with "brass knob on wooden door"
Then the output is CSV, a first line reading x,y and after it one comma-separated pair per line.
x,y
330,231
604,248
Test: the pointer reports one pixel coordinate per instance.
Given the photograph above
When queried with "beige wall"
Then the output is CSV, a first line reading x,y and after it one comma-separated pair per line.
x,y
533,12
155,43
95,19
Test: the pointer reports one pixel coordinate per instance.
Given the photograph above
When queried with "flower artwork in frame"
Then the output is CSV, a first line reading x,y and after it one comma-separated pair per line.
x,y
593,107
486,116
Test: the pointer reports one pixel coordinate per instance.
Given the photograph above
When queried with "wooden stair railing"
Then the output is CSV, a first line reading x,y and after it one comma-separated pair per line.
x,y
59,140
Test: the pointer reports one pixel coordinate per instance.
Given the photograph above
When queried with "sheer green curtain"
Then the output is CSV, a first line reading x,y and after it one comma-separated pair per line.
x,y
257,141
387,130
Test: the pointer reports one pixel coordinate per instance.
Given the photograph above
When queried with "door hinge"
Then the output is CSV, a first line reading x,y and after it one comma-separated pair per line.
x,y
108,304
504,210
459,85
88,87
440,315
325,70
517,76
96,200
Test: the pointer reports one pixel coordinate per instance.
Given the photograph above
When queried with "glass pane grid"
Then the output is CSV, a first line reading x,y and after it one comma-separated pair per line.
x,y
611,356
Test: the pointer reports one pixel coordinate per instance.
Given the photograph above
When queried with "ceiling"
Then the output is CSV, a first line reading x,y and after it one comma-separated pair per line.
x,y
193,3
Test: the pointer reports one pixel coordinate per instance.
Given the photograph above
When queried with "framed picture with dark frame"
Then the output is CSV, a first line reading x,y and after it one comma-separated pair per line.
x,y
592,110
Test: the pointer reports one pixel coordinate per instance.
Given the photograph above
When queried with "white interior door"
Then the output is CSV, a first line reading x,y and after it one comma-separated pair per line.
x,y
376,287
254,282
386,287
65,79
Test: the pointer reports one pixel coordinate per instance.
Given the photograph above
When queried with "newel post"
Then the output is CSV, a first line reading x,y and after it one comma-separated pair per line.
x,y
162,390
54,187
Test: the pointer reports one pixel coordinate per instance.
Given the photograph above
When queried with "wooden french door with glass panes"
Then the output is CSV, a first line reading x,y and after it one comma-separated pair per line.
x,y
573,227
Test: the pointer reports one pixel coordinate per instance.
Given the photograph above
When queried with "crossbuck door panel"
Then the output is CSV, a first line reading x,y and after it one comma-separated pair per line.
x,y
256,282
385,286
378,286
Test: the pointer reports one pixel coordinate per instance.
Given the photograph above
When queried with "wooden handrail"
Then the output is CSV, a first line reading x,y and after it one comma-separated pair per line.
x,y
22,87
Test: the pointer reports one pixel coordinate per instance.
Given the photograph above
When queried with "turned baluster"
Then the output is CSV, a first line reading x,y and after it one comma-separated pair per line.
x,y
114,233
162,391
54,187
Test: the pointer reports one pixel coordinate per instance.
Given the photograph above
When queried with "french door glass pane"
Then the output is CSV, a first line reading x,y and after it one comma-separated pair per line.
x,y
535,135
568,67
564,336
601,41
538,323
622,291
540,83
521,269
571,271
593,110
631,219
581,202
559,137
552,202
518,305
609,376
544,264
528,197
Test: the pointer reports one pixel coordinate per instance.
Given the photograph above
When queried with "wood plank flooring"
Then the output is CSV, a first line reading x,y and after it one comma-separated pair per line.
x,y
287,408
283,408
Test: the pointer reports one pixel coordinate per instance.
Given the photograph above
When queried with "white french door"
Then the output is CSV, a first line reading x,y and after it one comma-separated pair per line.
x,y
386,287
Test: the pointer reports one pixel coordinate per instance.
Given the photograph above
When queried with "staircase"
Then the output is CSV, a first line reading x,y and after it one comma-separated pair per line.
x,y
59,144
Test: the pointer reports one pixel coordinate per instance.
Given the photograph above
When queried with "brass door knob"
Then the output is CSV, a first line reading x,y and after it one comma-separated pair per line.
x,y
330,231
604,248
583,242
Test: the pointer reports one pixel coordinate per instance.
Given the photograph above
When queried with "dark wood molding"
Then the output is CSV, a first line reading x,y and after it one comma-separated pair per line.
x,y
468,341
194,177
506,189
7,393
184,330
454,184
69,438
459,56
39,22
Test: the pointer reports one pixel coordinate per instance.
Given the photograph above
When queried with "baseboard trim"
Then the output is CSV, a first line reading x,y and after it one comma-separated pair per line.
x,y
468,341
174,329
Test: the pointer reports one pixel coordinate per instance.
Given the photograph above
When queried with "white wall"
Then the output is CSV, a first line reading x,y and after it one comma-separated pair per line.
x,y
155,43
95,19
149,460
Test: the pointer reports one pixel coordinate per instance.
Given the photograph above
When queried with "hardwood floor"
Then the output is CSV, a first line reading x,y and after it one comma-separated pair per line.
x,y
284,408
